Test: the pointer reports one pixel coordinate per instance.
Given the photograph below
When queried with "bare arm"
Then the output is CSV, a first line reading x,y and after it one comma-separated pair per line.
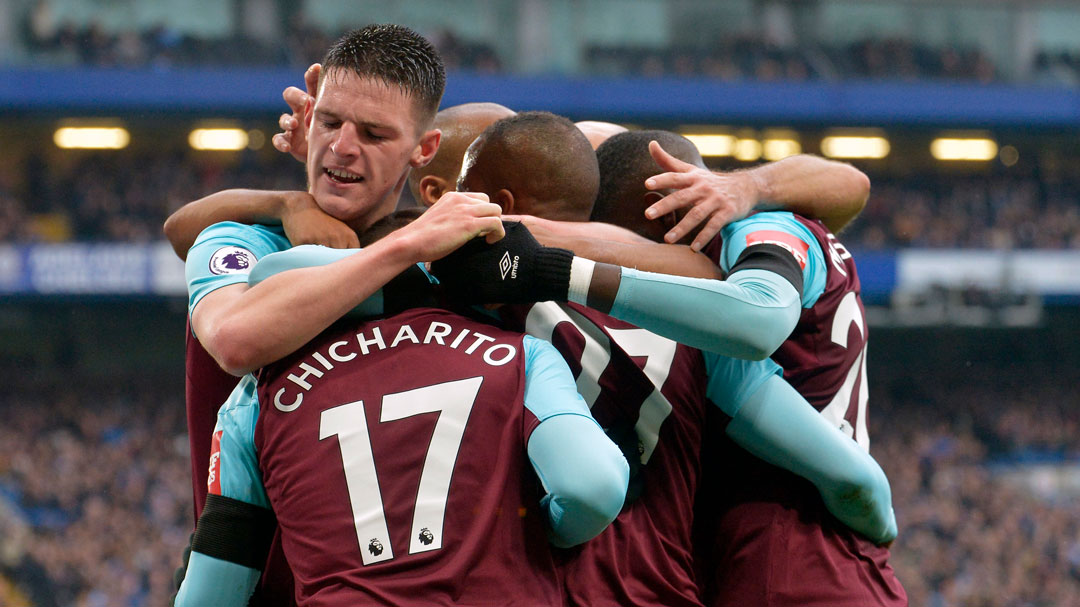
x,y
304,221
244,327
831,191
614,245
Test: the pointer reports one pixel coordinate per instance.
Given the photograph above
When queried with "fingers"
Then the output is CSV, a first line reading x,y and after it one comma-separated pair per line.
x,y
287,122
281,143
667,161
711,229
671,181
296,99
311,78
672,202
493,229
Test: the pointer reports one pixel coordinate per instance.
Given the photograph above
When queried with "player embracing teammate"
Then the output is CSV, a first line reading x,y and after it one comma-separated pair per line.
x,y
359,148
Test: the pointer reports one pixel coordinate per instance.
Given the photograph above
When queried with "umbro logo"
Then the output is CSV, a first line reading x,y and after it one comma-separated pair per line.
x,y
508,266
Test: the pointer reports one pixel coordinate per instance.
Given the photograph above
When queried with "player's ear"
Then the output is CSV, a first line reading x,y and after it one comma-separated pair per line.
x,y
431,188
426,148
505,199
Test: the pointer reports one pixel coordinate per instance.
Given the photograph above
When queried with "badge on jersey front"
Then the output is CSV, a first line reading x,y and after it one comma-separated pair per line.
x,y
231,260
789,242
213,480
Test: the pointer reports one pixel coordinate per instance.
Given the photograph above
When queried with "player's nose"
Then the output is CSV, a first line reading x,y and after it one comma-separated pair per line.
x,y
346,143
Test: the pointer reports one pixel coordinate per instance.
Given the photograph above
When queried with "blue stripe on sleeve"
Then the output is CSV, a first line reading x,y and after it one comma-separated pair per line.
x,y
734,235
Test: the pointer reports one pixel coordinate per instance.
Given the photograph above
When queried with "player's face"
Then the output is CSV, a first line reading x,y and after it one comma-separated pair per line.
x,y
363,137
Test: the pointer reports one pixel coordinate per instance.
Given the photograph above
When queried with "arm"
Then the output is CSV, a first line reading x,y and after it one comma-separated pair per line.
x,y
584,473
776,269
831,191
245,327
234,532
304,221
780,427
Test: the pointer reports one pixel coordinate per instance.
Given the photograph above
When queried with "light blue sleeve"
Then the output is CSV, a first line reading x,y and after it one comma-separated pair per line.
x,y
814,273
583,472
731,382
212,582
306,256
224,253
777,425
746,316
239,464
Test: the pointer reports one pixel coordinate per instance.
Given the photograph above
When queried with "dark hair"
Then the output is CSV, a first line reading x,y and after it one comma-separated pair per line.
x,y
396,55
544,156
625,164
396,220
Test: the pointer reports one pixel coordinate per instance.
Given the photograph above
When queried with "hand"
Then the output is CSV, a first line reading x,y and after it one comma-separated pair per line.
x,y
714,198
294,138
306,223
516,269
456,218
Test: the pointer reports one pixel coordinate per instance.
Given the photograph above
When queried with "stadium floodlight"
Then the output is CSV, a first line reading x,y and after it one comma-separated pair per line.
x,y
778,149
91,138
747,150
975,149
218,139
848,146
713,145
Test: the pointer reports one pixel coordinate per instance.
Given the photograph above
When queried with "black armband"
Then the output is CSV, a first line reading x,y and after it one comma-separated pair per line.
x,y
234,531
772,258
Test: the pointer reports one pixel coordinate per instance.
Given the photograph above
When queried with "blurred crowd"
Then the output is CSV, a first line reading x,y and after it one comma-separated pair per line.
x,y
95,497
969,212
52,40
971,535
116,198
95,501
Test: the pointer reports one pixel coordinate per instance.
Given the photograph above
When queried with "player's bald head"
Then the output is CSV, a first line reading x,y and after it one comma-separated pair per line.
x,y
625,164
598,132
460,125
534,163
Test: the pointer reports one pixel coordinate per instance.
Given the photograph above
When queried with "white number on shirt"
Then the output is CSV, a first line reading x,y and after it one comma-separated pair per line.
x,y
659,352
847,314
453,401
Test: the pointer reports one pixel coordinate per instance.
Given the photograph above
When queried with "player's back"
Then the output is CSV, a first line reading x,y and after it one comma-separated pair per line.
x,y
650,389
394,455
769,539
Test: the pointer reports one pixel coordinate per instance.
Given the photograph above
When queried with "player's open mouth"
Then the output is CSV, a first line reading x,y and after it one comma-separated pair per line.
x,y
341,176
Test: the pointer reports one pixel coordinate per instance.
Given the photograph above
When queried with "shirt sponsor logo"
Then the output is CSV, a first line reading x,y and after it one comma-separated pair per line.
x,y
231,260
789,242
213,481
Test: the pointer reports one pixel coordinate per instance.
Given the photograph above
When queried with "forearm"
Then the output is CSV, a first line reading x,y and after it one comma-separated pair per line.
x,y
585,476
780,427
808,185
245,328
242,206
215,582
677,260
747,316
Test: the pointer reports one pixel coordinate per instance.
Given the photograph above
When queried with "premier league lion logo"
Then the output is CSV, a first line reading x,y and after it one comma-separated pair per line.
x,y
231,260
426,536
375,547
